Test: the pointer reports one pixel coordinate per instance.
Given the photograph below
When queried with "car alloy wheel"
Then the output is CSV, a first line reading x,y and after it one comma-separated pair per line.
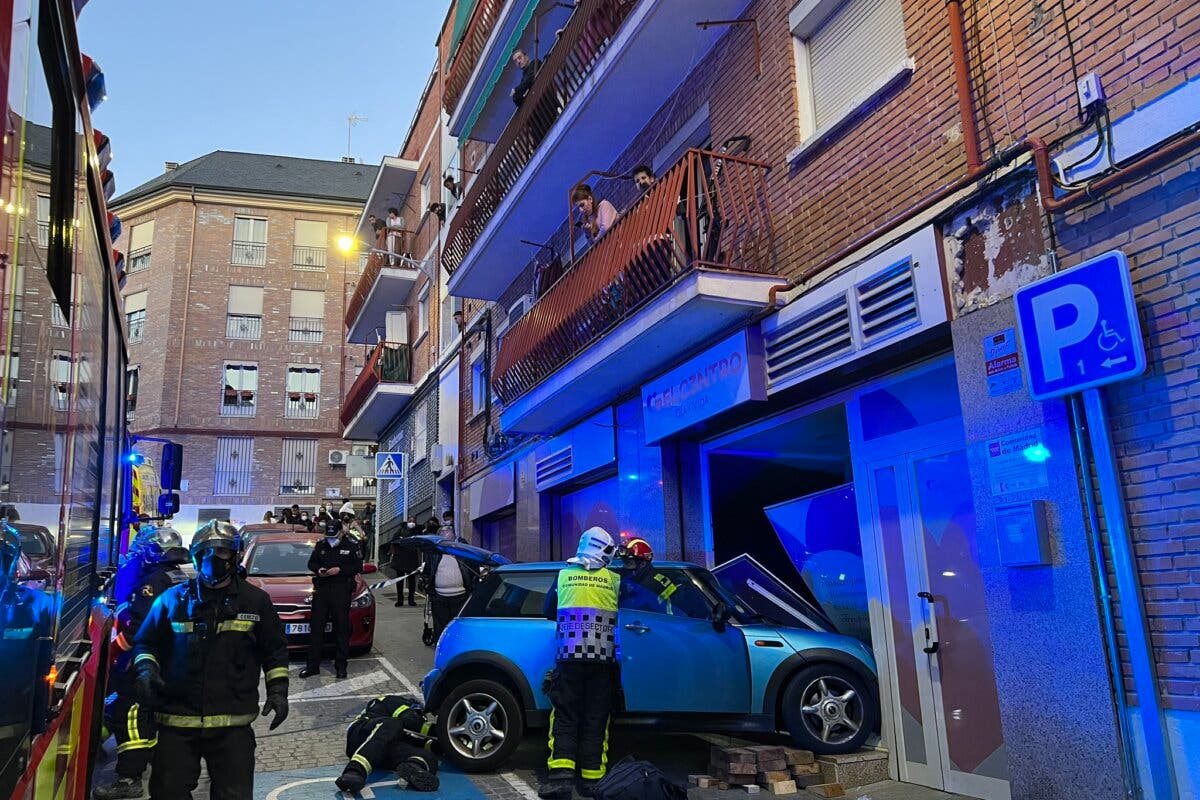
x,y
832,710
477,725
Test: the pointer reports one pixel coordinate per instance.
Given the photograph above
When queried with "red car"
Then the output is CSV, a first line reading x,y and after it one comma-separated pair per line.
x,y
278,564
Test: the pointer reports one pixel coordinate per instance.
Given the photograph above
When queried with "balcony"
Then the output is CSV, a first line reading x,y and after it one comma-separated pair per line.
x,y
306,329
308,258
691,259
579,116
381,288
382,390
249,254
243,326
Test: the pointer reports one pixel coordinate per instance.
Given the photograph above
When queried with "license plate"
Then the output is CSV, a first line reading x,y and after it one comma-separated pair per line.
x,y
302,627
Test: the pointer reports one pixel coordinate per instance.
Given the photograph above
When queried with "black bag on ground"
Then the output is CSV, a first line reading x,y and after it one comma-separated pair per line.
x,y
637,780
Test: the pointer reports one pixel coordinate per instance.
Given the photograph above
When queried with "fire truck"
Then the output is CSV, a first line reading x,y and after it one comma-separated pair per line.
x,y
72,479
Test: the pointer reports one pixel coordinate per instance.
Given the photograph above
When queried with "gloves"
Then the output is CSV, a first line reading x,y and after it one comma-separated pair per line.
x,y
148,685
276,701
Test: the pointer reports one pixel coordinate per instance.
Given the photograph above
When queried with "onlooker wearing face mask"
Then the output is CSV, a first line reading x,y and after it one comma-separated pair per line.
x,y
306,521
334,562
406,560
449,582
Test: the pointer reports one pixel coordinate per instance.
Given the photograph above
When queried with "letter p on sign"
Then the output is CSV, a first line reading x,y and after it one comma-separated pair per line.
x,y
1063,317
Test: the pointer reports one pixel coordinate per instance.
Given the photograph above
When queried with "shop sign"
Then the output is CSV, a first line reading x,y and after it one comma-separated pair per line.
x,y
1017,463
723,376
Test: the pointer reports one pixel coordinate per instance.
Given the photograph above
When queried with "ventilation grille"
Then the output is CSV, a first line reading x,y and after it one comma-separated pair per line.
x,y
554,466
887,302
809,340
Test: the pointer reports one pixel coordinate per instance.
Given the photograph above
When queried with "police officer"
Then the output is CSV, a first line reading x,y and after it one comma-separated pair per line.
x,y
583,685
198,657
161,552
392,732
334,562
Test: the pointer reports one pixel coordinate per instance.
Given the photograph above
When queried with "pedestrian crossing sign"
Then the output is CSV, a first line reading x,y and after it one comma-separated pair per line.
x,y
389,465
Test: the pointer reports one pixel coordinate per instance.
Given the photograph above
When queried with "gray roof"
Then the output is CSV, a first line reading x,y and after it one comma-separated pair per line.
x,y
254,173
37,145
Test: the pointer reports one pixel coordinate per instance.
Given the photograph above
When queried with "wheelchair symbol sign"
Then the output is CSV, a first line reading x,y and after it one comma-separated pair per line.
x,y
1078,329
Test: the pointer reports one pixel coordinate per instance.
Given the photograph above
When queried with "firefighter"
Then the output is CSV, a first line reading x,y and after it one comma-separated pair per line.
x,y
334,562
638,566
198,657
132,724
583,685
391,733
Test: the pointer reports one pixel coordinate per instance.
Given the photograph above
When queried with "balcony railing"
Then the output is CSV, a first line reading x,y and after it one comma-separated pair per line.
x,y
243,326
249,254
377,259
306,329
302,405
362,487
139,259
390,362
312,258
474,40
238,402
708,211
565,70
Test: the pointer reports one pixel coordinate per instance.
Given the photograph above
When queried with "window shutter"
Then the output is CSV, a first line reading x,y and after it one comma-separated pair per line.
x,y
307,303
852,53
312,234
135,302
246,300
248,229
141,236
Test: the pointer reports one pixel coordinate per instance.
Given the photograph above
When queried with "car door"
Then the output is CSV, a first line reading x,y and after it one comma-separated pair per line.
x,y
673,659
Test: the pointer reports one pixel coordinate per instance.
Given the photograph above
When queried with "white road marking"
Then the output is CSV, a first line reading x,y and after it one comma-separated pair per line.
x,y
342,688
400,676
521,787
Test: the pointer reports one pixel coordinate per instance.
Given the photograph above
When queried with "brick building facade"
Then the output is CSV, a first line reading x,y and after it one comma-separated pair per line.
x,y
234,302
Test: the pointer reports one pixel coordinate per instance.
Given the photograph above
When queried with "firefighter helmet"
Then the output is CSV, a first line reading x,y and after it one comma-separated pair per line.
x,y
638,548
214,535
165,545
596,549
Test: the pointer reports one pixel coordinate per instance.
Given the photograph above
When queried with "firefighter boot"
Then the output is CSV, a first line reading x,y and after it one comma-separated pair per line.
x,y
352,779
585,787
558,785
120,789
414,774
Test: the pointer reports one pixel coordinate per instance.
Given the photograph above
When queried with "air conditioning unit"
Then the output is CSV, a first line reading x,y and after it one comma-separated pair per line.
x,y
338,458
520,308
441,459
360,450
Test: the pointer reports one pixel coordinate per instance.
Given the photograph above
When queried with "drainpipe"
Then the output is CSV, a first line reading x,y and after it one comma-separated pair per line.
x,y
187,303
962,80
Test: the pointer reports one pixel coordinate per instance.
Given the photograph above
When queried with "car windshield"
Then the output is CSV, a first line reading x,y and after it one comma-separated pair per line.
x,y
32,544
280,558
742,613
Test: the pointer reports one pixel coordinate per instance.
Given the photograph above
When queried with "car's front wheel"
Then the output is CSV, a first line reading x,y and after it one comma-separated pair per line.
x,y
828,709
479,725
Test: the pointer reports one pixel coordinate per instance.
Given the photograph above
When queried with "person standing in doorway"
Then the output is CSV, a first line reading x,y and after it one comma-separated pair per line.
x,y
334,562
449,583
405,560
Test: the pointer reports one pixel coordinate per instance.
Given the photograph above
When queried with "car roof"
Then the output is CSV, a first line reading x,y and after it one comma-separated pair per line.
x,y
276,527
545,566
286,536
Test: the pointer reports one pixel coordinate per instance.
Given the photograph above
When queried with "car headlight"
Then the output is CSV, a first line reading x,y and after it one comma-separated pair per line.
x,y
362,601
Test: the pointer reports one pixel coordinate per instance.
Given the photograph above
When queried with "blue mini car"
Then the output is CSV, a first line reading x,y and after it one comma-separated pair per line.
x,y
703,661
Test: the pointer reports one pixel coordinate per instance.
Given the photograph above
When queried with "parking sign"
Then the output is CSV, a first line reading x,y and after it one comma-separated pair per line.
x,y
1078,329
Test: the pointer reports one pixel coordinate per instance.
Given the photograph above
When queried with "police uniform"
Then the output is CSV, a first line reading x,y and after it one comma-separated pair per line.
x,y
392,730
210,645
584,683
331,598
131,722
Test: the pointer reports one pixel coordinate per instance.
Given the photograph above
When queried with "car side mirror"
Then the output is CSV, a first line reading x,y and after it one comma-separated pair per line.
x,y
369,568
721,614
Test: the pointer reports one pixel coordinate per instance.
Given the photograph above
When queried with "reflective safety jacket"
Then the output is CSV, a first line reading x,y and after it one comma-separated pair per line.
x,y
211,645
586,614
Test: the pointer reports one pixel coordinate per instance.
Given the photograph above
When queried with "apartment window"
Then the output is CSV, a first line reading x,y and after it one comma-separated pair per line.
x,y
132,380
312,239
243,320
12,375
303,392
60,381
249,242
426,189
57,318
43,220
135,315
60,459
235,466
478,385
241,390
141,237
846,54
306,322
423,312
298,470
420,434
17,293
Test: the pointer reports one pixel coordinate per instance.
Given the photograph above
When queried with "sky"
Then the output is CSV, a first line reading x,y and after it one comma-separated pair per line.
x,y
262,76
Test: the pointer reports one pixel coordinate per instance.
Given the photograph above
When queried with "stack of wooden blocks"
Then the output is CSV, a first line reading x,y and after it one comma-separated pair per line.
x,y
777,770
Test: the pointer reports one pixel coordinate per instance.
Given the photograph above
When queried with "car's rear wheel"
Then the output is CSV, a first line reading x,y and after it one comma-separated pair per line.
x,y
828,709
479,725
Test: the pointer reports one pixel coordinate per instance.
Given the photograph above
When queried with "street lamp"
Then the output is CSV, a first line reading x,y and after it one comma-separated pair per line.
x,y
346,243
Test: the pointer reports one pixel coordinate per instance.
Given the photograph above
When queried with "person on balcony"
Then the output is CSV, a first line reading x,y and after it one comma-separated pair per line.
x,y
529,68
643,177
594,217
395,235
